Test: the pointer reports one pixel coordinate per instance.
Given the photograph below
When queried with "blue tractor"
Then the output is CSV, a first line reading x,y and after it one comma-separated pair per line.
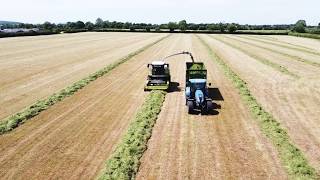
x,y
196,88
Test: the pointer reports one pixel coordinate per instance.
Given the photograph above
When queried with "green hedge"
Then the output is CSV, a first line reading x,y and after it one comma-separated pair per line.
x,y
292,158
125,161
306,35
19,118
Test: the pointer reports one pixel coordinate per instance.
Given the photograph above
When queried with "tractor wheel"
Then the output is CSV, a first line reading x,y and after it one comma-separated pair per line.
x,y
209,106
190,107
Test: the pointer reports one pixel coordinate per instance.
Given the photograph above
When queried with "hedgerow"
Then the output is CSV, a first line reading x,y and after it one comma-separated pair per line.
x,y
306,35
292,158
125,161
19,118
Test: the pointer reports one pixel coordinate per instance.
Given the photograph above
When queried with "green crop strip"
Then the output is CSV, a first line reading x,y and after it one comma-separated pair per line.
x,y
279,52
19,118
279,45
125,161
275,66
292,158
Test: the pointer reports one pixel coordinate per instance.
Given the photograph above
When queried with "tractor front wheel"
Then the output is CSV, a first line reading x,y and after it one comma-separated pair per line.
x,y
190,107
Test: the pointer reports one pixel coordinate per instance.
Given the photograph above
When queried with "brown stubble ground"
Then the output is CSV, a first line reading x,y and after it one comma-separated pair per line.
x,y
73,138
32,68
224,146
294,102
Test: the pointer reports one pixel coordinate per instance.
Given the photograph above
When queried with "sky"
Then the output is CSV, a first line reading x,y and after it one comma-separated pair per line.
x,y
162,11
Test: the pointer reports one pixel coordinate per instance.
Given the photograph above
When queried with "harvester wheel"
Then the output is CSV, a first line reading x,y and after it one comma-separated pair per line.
x,y
190,107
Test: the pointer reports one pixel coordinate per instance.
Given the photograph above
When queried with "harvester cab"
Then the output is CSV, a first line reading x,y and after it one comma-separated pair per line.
x,y
159,76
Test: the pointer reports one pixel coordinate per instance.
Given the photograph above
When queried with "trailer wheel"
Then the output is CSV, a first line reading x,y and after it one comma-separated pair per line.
x,y
190,107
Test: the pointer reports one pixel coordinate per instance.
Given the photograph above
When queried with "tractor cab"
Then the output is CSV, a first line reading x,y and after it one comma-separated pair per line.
x,y
197,84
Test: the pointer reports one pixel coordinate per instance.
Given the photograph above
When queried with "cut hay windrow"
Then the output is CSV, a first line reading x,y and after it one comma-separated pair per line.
x,y
291,157
297,58
19,118
125,160
265,61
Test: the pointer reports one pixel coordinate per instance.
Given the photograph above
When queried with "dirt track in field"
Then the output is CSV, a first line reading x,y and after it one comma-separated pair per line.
x,y
222,146
294,102
32,68
73,138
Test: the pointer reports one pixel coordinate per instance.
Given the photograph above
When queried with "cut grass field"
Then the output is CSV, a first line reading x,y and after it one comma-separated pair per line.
x,y
47,64
73,138
19,118
293,56
125,161
107,116
224,145
263,60
293,159
279,44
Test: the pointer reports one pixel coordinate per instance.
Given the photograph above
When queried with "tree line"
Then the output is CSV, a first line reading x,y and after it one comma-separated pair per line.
x,y
300,26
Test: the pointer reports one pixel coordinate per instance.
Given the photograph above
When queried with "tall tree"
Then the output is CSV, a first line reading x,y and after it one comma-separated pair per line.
x,y
300,26
99,23
232,28
80,25
222,27
182,25
48,26
89,25
172,26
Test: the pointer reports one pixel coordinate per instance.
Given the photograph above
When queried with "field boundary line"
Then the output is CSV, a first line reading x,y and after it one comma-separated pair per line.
x,y
15,120
297,58
291,157
279,45
125,161
265,61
